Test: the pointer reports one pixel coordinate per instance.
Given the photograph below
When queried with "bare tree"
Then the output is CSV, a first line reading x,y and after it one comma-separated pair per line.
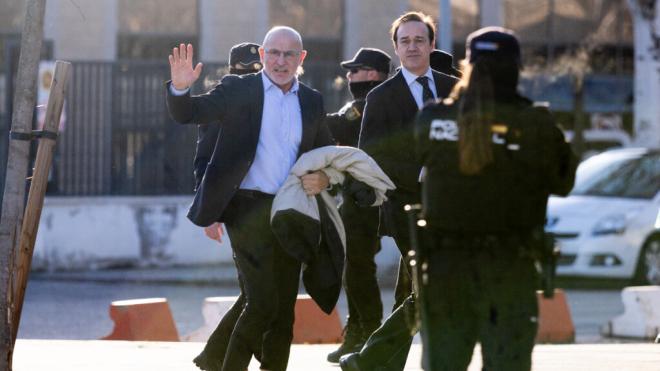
x,y
17,164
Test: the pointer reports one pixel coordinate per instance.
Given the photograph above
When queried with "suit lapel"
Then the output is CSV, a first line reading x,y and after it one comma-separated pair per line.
x,y
403,90
306,112
256,96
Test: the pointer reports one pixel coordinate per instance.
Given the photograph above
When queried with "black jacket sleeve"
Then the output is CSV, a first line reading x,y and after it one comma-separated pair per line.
x,y
559,160
202,109
207,136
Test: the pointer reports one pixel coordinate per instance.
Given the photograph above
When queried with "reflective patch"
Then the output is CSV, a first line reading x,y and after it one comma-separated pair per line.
x,y
486,45
497,139
444,130
352,114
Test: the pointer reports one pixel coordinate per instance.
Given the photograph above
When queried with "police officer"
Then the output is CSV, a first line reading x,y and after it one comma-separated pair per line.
x,y
442,61
243,59
366,70
491,160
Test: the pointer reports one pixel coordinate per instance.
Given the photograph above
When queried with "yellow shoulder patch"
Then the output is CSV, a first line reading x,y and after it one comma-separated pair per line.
x,y
499,128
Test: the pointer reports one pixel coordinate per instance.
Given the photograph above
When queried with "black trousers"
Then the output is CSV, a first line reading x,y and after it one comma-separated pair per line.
x,y
270,283
217,343
362,245
388,347
483,290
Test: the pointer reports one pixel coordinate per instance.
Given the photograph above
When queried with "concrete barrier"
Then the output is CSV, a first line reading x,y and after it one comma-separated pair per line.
x,y
142,319
213,309
641,314
555,322
313,326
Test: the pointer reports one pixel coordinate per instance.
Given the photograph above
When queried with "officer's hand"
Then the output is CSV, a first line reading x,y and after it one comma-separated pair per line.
x,y
214,231
181,70
314,183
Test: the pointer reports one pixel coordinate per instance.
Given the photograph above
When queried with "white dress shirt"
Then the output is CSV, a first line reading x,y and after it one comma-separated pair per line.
x,y
279,138
415,87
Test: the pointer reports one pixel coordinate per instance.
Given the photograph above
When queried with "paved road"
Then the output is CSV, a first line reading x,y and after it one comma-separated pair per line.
x,y
79,309
141,356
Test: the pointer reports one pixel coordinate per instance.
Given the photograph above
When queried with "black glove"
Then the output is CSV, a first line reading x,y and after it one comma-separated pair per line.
x,y
359,192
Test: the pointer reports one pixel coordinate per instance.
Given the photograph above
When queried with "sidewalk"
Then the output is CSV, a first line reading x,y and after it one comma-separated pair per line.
x,y
63,355
223,275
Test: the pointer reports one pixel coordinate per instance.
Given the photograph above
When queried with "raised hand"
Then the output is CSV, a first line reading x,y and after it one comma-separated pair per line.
x,y
181,70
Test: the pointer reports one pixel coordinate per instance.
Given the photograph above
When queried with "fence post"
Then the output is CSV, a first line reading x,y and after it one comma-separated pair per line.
x,y
37,192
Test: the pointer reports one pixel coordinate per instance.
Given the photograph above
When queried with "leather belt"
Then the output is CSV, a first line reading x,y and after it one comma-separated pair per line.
x,y
254,194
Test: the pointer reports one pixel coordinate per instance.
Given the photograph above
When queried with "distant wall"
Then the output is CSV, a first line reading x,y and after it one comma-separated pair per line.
x,y
82,233
99,232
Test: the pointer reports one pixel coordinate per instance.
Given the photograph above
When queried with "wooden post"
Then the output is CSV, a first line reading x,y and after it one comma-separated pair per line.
x,y
17,164
38,185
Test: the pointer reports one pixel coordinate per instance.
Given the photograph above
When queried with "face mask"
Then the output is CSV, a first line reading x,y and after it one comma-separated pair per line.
x,y
360,89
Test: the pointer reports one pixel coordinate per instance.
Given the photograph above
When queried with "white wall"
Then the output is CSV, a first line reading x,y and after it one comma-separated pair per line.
x,y
95,232
82,233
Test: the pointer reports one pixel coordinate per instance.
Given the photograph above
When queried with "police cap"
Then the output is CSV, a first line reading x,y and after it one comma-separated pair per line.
x,y
496,41
370,58
244,58
443,62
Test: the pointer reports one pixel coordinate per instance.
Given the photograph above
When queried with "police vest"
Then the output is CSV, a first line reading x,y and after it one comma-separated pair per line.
x,y
507,195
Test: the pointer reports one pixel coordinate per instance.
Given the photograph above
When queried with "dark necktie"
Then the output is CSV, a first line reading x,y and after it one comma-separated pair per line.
x,y
427,94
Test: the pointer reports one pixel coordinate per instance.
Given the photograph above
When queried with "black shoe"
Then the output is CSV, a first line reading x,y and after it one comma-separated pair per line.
x,y
206,363
349,362
353,341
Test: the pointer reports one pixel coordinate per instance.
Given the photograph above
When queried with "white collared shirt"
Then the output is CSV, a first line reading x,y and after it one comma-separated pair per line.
x,y
415,88
279,138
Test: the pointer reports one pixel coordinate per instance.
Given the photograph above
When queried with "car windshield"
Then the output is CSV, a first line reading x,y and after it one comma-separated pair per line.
x,y
619,174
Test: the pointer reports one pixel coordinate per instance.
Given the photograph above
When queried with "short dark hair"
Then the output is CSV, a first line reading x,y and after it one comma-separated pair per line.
x,y
413,17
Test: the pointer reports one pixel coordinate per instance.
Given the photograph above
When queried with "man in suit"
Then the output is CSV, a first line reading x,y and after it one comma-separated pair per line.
x,y
387,135
267,120
243,59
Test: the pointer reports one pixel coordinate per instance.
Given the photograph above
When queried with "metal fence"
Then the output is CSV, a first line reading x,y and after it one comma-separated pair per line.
x,y
118,138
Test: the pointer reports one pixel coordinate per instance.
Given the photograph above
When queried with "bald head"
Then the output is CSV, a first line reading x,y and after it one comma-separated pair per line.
x,y
281,55
283,32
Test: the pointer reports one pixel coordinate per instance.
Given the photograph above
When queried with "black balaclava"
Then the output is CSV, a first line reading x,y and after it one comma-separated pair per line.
x,y
359,90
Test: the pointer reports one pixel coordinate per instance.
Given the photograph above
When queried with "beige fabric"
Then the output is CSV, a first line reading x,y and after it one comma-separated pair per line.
x,y
334,161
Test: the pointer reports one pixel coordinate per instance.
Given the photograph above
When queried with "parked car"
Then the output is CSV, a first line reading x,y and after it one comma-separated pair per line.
x,y
609,225
597,140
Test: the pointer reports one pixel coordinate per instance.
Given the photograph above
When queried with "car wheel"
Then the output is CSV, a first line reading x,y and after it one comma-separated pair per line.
x,y
648,263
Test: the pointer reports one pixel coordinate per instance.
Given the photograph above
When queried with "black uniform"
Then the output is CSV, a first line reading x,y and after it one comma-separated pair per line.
x,y
345,124
483,234
365,307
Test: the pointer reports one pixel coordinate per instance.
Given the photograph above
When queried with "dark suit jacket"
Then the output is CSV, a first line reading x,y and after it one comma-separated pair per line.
x,y
236,105
207,135
386,132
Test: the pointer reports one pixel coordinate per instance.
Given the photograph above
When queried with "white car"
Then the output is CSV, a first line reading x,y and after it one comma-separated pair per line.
x,y
609,226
